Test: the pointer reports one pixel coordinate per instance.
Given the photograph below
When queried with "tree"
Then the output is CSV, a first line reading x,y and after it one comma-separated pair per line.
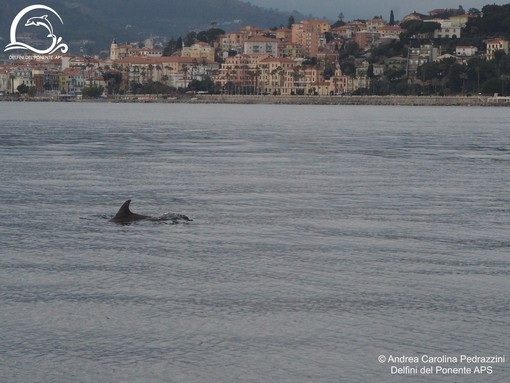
x,y
291,21
113,80
92,91
190,39
392,18
154,87
351,48
419,29
170,47
213,33
202,36
348,68
491,86
22,89
328,36
205,85
370,71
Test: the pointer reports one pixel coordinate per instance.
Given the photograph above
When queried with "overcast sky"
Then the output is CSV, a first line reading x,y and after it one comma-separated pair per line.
x,y
364,9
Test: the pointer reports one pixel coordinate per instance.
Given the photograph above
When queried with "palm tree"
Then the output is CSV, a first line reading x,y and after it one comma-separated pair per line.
x,y
185,71
151,72
159,70
143,73
335,82
257,74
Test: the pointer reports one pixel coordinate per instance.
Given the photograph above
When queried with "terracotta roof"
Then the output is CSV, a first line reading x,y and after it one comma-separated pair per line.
x,y
261,39
390,28
160,60
71,71
282,60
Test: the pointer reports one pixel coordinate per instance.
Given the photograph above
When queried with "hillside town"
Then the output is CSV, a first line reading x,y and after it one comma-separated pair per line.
x,y
437,53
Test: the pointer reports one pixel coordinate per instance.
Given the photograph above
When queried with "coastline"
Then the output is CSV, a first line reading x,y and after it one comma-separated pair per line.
x,y
291,100
355,100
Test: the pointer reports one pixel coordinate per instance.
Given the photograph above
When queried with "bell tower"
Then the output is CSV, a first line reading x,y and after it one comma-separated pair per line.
x,y
114,50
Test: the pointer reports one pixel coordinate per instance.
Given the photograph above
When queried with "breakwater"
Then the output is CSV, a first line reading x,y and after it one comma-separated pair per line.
x,y
352,100
288,100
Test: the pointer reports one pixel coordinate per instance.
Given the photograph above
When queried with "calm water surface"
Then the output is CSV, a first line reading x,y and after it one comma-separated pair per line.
x,y
322,238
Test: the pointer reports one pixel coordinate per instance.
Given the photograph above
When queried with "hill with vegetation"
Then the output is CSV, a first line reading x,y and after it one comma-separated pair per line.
x,y
471,75
93,23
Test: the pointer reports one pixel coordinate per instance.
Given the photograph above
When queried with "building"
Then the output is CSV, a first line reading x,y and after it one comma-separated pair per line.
x,y
239,70
127,50
419,56
199,51
460,20
289,50
390,32
234,41
173,71
415,16
466,50
261,45
495,45
21,75
309,35
276,75
375,24
447,31
5,81
365,39
72,80
284,34
347,31
69,61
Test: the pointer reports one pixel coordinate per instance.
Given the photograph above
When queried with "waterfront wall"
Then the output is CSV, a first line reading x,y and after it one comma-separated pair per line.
x,y
293,100
353,100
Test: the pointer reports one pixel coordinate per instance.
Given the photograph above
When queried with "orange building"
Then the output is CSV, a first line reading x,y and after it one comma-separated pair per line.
x,y
309,34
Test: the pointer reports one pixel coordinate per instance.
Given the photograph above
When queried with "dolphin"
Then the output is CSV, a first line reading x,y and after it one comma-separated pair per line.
x,y
124,215
41,21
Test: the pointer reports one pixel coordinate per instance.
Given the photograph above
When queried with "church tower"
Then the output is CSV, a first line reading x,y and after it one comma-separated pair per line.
x,y
114,50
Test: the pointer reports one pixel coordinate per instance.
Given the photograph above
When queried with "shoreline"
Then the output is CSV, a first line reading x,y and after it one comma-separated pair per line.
x,y
291,100
356,100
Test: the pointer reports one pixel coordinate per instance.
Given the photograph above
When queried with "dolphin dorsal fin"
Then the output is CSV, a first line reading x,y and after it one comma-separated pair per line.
x,y
124,209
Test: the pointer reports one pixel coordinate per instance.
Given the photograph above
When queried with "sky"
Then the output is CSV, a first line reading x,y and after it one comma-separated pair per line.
x,y
365,9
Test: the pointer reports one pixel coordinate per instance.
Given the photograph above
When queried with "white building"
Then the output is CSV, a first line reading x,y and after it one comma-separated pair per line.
x,y
448,29
4,81
466,50
20,76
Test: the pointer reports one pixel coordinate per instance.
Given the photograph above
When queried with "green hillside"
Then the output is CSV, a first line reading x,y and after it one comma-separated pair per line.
x,y
131,20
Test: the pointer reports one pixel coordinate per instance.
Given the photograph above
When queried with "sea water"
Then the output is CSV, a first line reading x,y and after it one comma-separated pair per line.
x,y
328,243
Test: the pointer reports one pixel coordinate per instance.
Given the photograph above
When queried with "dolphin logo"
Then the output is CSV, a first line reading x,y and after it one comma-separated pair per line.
x,y
40,21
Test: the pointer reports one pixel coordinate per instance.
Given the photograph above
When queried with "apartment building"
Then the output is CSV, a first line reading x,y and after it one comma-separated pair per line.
x,y
309,34
261,45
